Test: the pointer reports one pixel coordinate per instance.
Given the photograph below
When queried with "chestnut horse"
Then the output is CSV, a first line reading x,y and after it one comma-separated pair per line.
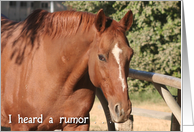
x,y
52,63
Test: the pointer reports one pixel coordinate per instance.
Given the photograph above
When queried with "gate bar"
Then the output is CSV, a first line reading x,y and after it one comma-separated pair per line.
x,y
155,77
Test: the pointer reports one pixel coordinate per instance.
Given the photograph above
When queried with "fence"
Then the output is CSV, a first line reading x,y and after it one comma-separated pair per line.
x,y
159,81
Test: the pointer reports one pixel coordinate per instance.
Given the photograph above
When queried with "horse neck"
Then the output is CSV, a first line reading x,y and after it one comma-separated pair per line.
x,y
71,54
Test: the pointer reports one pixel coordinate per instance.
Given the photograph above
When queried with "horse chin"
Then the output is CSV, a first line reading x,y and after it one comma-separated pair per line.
x,y
117,120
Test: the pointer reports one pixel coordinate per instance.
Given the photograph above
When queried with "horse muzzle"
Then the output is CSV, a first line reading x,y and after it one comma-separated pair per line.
x,y
118,114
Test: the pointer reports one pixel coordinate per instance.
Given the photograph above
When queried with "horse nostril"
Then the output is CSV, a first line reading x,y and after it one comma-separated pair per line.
x,y
117,110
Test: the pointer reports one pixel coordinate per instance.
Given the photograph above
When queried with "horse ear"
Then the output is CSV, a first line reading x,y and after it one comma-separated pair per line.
x,y
100,22
127,20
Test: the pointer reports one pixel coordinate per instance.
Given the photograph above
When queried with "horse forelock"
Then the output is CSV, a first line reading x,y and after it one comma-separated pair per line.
x,y
116,28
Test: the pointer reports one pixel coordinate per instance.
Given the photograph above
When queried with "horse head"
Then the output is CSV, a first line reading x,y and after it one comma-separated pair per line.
x,y
109,60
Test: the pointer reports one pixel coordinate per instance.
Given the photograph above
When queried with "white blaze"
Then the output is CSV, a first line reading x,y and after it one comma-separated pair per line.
x,y
116,52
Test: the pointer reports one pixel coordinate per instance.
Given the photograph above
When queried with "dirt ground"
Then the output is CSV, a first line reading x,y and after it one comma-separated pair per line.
x,y
98,120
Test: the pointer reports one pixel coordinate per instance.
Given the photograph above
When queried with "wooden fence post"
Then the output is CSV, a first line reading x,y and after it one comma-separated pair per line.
x,y
175,126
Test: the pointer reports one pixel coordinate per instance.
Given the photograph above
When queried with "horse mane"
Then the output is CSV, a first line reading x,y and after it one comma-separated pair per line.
x,y
62,23
57,24
41,22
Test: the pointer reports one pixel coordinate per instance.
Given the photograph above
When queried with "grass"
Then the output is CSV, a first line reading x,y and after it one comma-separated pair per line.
x,y
149,96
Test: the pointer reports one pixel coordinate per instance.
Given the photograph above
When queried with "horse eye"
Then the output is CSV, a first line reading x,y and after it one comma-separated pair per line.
x,y
101,57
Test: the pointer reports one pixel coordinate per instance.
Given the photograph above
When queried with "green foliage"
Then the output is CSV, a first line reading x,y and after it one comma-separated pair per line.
x,y
155,35
91,6
146,96
149,96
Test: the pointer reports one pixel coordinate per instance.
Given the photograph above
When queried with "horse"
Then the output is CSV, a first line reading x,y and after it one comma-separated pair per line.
x,y
52,64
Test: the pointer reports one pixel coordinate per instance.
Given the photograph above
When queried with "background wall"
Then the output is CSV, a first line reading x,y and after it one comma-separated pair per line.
x,y
19,10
